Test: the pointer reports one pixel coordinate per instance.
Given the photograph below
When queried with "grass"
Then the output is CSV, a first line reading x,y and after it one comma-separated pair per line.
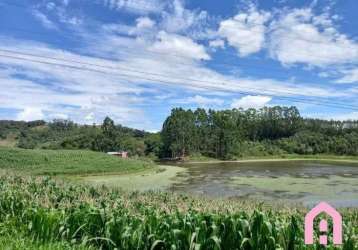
x,y
48,213
56,162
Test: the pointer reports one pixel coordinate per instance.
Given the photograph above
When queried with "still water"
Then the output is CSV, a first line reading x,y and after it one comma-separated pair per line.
x,y
305,182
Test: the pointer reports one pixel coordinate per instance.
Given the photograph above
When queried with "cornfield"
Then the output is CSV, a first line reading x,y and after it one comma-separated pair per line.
x,y
46,211
59,162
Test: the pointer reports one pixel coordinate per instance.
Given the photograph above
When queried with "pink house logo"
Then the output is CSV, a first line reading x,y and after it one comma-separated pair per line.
x,y
323,207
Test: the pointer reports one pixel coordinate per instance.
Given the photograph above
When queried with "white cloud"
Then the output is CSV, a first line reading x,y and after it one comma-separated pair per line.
x,y
69,20
350,76
47,23
340,116
144,28
179,45
218,43
145,23
181,20
136,6
345,117
128,79
50,6
71,93
59,12
299,36
200,101
90,116
250,101
245,31
30,114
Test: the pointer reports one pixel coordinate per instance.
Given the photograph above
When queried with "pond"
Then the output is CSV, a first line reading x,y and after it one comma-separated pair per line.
x,y
306,182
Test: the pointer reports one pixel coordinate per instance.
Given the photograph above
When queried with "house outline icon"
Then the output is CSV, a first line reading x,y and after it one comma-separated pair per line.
x,y
323,207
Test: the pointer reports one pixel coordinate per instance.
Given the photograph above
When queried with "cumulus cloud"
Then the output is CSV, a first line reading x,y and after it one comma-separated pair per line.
x,y
30,114
179,45
251,101
245,31
144,28
300,36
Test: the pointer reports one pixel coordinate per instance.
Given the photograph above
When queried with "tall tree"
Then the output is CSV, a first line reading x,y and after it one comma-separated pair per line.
x,y
178,133
108,128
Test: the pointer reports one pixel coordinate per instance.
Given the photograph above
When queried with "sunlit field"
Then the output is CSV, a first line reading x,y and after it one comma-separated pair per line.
x,y
65,162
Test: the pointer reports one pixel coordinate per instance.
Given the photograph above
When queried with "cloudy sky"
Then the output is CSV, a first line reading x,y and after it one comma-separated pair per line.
x,y
134,60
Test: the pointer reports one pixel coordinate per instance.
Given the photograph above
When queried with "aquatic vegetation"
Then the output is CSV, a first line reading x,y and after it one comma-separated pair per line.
x,y
321,186
48,212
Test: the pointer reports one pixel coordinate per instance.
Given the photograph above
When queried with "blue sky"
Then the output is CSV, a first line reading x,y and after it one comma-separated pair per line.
x,y
134,60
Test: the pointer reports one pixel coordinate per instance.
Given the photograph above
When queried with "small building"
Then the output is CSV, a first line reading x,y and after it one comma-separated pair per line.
x,y
121,154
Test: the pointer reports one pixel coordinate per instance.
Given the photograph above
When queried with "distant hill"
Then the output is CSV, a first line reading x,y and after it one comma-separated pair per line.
x,y
65,134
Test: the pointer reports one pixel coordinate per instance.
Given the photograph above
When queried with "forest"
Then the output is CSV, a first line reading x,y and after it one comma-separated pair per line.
x,y
220,134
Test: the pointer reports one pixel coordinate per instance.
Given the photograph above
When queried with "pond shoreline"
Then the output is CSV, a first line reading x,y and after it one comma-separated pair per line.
x,y
347,160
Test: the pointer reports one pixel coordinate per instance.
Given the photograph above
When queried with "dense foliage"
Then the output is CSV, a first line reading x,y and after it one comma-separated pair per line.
x,y
269,131
43,212
226,134
64,134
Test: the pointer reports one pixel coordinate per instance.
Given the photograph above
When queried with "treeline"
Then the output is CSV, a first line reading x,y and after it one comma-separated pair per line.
x,y
236,133
13,127
65,134
225,134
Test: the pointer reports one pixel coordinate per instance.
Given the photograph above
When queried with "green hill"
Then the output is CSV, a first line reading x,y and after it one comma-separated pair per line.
x,y
52,162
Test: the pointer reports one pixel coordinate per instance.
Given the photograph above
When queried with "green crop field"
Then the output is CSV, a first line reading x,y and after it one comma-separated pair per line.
x,y
54,215
52,162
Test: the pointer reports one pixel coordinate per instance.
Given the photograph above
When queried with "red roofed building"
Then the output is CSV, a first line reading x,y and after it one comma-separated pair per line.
x,y
122,154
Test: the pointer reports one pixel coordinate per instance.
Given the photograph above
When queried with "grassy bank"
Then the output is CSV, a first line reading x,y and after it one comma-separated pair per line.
x,y
47,213
154,179
54,162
